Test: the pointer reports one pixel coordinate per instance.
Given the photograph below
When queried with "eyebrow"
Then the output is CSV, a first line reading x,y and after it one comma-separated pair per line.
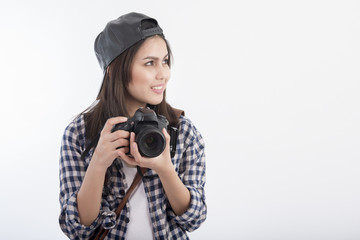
x,y
154,58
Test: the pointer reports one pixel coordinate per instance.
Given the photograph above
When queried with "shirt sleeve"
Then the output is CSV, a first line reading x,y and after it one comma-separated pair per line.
x,y
192,173
72,171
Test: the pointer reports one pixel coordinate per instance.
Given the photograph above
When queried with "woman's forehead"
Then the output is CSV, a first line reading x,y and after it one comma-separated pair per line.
x,y
154,47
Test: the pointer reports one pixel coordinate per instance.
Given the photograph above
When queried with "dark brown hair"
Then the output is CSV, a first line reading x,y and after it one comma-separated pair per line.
x,y
111,101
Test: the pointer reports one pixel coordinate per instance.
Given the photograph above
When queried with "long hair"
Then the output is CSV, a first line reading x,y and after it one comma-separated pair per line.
x,y
111,101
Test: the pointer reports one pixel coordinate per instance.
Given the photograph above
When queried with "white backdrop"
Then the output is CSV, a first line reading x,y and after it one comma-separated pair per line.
x,y
273,86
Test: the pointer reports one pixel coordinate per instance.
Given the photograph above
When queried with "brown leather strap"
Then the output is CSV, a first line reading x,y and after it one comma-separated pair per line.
x,y
137,179
128,193
178,112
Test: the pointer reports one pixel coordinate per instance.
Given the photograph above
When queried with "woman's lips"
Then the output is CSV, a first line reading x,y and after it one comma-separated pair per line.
x,y
158,89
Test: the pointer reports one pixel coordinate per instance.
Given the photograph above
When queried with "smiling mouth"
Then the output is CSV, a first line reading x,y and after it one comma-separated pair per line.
x,y
157,88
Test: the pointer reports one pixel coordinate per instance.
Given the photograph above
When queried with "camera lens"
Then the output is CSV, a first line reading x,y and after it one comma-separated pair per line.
x,y
151,142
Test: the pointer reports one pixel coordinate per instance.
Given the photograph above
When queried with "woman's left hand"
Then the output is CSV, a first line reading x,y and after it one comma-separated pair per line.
x,y
159,164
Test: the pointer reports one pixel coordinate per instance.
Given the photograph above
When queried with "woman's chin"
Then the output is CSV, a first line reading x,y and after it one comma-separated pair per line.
x,y
155,101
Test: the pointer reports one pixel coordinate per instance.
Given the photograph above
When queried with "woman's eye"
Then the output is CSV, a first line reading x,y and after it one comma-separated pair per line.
x,y
150,63
166,61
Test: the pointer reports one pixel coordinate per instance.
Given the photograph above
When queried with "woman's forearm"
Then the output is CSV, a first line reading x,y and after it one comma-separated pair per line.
x,y
176,192
90,193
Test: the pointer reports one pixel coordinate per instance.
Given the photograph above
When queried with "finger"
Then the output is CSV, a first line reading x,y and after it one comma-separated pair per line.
x,y
124,150
111,122
134,151
166,134
120,143
115,136
119,134
127,159
167,137
132,137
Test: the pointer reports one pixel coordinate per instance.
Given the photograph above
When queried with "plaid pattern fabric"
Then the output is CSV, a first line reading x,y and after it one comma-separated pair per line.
x,y
189,162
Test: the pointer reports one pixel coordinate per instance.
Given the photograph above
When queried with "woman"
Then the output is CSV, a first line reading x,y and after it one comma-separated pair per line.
x,y
97,164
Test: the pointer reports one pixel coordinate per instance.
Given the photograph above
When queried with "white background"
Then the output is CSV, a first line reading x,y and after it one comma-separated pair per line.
x,y
273,86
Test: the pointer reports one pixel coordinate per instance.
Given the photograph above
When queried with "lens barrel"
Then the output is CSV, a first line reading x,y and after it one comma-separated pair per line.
x,y
151,141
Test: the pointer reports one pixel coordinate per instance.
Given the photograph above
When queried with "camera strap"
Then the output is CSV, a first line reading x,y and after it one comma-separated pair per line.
x,y
173,132
102,232
92,144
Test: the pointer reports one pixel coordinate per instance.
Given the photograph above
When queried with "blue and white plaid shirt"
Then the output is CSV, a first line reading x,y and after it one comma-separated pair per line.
x,y
189,162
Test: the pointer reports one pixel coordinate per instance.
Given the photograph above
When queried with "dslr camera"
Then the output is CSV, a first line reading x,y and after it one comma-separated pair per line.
x,y
147,126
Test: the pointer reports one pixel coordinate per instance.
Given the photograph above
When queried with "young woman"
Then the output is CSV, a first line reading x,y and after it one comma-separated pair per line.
x,y
97,164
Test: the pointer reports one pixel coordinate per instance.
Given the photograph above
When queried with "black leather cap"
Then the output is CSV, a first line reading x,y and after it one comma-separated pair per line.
x,y
120,34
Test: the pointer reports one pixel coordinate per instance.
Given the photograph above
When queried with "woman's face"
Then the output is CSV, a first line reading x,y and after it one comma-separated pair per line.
x,y
150,73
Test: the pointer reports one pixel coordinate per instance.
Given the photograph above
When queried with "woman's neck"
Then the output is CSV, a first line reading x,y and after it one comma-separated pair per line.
x,y
132,109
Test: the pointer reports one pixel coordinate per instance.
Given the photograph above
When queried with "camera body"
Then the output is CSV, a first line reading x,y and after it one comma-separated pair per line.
x,y
147,127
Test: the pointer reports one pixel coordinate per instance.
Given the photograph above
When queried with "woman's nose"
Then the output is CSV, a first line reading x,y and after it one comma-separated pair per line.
x,y
163,72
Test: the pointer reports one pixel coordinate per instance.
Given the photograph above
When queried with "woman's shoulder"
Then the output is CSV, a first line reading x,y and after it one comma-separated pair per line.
x,y
77,123
187,127
76,128
189,135
185,122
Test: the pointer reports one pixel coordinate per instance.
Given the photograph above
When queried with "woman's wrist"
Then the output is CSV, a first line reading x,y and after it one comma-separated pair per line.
x,y
97,165
165,171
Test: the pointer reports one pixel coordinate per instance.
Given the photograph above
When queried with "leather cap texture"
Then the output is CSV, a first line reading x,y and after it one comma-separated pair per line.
x,y
120,34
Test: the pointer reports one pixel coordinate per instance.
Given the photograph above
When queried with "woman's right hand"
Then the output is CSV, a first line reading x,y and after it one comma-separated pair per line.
x,y
110,143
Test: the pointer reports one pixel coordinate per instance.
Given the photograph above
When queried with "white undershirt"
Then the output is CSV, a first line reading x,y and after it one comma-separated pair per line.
x,y
140,226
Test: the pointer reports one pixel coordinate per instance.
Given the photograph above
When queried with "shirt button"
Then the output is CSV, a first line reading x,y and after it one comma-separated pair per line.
x,y
122,192
109,221
127,220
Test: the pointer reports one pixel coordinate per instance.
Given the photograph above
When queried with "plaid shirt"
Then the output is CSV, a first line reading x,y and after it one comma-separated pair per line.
x,y
189,162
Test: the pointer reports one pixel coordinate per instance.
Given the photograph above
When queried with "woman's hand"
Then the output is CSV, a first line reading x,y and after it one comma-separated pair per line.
x,y
176,192
110,144
159,164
